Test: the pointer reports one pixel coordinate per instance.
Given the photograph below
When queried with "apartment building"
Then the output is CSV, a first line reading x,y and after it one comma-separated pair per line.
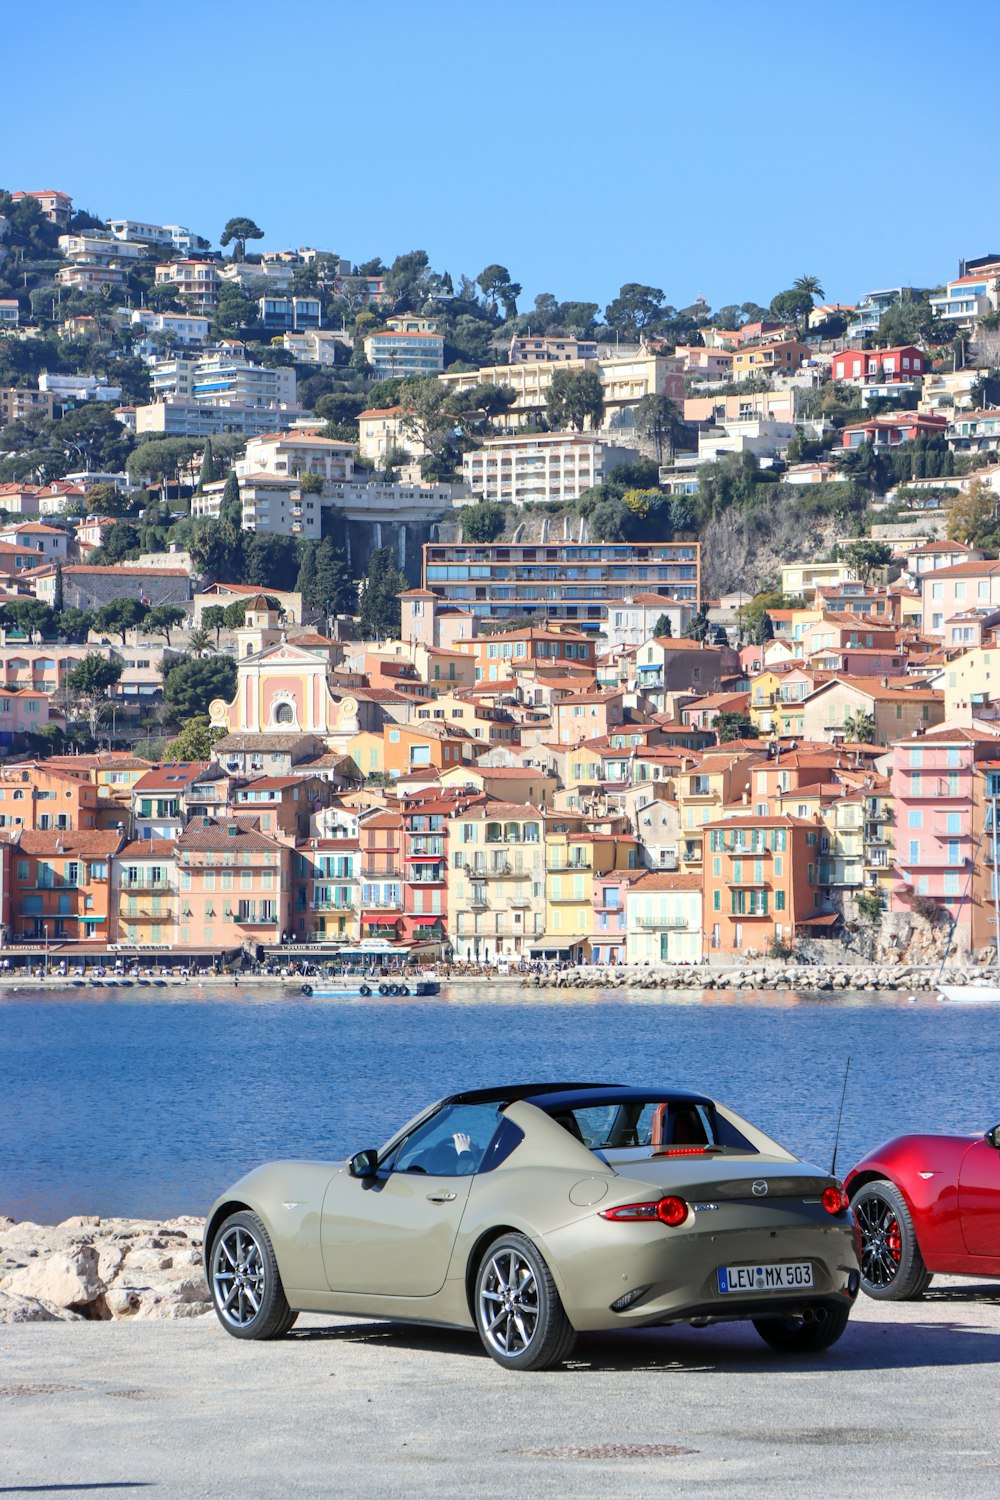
x,y
196,280
177,417
382,870
91,276
146,893
234,884
576,860
327,890
624,382
947,592
61,884
496,880
176,236
577,582
393,352
285,454
223,376
186,329
782,357
545,466
526,349
17,403
290,314
939,793
761,881
56,207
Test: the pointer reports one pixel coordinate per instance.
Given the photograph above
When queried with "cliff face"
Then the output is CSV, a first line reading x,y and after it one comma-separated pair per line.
x,y
741,551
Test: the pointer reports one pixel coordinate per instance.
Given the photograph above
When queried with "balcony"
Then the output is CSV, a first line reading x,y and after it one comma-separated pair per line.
x,y
148,885
672,924
374,872
558,868
344,906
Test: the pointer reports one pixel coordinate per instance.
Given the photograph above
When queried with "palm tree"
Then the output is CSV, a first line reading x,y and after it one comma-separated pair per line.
x,y
859,727
809,284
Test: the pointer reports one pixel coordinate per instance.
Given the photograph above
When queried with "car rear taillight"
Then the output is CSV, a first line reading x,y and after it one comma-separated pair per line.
x,y
835,1200
670,1211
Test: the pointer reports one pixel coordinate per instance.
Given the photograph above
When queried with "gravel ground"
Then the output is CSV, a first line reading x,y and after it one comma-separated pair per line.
x,y
904,1403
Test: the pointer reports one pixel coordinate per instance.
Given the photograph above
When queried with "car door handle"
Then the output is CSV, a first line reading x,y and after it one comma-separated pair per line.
x,y
441,1197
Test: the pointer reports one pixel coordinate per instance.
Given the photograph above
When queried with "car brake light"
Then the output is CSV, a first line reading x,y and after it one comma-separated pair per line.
x,y
835,1200
670,1211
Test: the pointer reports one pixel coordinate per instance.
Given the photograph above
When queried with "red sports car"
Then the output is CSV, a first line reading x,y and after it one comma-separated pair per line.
x,y
927,1203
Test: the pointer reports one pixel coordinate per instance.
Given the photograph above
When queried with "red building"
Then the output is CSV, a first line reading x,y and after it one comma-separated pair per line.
x,y
893,366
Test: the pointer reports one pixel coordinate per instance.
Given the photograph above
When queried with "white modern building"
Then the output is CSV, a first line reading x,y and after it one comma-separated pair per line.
x,y
76,388
223,375
394,352
544,466
186,329
174,235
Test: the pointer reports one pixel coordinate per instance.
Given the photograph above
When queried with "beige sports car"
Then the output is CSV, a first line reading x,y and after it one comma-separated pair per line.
x,y
535,1212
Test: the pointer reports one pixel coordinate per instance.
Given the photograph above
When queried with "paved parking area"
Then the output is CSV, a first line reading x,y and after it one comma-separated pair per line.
x,y
906,1402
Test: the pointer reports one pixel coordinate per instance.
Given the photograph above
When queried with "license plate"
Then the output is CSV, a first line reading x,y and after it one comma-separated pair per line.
x,y
783,1278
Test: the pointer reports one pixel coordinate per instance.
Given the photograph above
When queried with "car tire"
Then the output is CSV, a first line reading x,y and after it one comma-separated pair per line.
x,y
531,1331
823,1327
242,1271
892,1267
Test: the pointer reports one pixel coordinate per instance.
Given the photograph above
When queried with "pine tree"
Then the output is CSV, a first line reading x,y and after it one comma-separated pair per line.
x,y
334,589
207,474
379,614
231,506
305,583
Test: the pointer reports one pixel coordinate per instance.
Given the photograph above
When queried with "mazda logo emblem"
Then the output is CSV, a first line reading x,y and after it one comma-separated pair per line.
x,y
759,1189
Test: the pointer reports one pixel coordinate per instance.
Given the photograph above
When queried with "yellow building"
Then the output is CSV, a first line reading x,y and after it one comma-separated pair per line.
x,y
806,577
970,683
764,702
367,750
572,860
496,883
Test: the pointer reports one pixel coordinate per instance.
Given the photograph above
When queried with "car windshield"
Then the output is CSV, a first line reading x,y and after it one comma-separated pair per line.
x,y
656,1124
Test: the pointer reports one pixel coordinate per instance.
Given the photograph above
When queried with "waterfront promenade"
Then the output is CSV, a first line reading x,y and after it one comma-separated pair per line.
x,y
905,1401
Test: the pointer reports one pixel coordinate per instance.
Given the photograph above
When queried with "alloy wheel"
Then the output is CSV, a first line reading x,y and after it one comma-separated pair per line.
x,y
881,1240
238,1276
508,1302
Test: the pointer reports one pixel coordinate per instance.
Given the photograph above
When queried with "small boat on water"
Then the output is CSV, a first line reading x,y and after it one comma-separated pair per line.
x,y
970,994
350,990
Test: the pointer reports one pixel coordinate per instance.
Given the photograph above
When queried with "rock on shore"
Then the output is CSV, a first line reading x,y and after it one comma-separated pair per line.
x,y
102,1269
801,978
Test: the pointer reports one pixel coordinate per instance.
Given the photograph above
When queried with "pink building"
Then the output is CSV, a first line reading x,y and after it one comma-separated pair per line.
x,y
234,884
947,592
21,713
940,806
607,943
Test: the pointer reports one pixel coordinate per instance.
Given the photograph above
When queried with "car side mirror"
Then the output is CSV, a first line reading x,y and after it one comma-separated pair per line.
x,y
993,1137
364,1163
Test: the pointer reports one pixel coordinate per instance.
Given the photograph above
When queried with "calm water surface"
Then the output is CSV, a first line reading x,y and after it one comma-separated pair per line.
x,y
150,1102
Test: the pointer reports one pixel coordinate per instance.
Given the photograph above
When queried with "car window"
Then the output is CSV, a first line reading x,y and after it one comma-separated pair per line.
x,y
630,1125
451,1144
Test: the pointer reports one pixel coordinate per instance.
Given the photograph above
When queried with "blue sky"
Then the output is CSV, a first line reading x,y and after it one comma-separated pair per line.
x,y
720,148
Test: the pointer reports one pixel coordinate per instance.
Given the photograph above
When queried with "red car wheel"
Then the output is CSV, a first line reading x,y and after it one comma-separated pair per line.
x,y
892,1268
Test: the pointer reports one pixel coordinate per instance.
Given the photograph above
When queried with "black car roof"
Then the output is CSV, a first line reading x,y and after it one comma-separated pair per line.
x,y
559,1096
507,1094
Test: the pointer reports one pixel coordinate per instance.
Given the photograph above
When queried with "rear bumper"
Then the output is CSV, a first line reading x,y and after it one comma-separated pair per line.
x,y
675,1273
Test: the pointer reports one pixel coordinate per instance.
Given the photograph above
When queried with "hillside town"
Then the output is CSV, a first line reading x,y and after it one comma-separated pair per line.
x,y
350,613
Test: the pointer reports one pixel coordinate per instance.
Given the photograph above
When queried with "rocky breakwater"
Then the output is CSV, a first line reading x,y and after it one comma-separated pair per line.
x,y
801,978
102,1269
